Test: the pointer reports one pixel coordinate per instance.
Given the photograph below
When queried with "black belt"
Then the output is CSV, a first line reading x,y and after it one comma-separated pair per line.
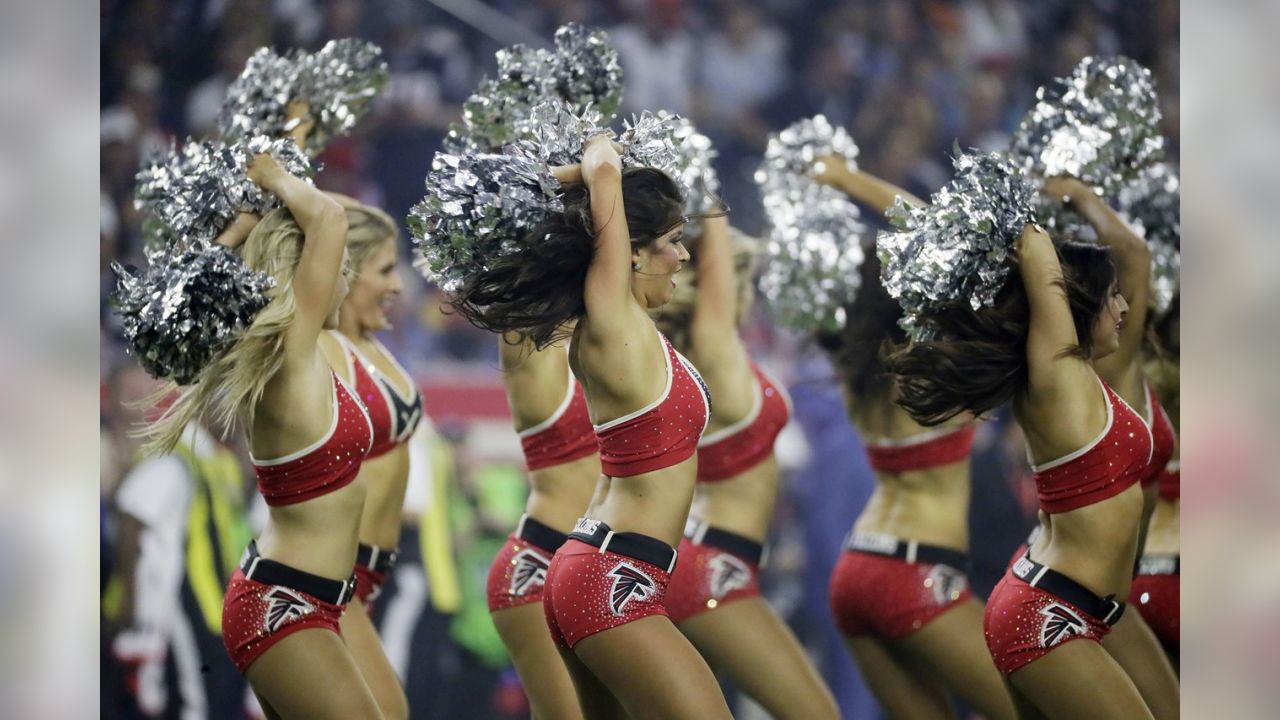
x,y
700,533
1160,565
539,535
377,559
912,551
1106,610
633,545
270,572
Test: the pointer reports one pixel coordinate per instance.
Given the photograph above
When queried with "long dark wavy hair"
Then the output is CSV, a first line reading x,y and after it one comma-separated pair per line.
x,y
977,361
533,293
871,326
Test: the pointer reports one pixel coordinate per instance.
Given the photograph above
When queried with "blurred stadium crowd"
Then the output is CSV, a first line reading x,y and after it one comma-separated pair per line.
x,y
909,79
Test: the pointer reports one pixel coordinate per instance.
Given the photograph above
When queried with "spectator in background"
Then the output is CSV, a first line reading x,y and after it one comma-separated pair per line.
x,y
995,34
657,56
743,64
205,101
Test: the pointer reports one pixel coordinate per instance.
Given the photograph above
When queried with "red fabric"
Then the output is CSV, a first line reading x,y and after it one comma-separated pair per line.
x,y
706,578
1108,467
1023,624
921,452
891,598
369,586
662,435
331,465
1163,440
736,449
588,591
564,437
370,393
517,575
257,616
1170,482
1158,598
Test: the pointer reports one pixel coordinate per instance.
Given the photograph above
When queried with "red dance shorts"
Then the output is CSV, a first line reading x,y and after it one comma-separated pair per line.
x,y
891,594
268,601
1156,594
599,580
519,572
373,564
1034,609
716,567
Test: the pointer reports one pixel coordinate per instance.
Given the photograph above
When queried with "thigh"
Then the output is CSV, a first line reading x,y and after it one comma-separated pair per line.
x,y
748,642
311,674
953,648
905,693
596,701
653,671
1136,648
1078,680
546,680
361,637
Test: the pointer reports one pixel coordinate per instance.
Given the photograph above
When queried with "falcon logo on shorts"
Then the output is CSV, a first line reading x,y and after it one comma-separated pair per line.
x,y
947,583
1060,623
629,582
728,573
530,572
283,607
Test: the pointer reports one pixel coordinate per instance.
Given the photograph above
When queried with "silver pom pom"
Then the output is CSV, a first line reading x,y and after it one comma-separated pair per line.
x,y
587,72
1151,204
187,308
339,82
695,172
814,246
197,192
555,134
478,207
1101,125
652,140
957,249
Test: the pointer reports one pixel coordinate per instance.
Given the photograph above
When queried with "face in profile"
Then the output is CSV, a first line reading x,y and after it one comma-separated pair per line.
x,y
374,289
1106,330
659,262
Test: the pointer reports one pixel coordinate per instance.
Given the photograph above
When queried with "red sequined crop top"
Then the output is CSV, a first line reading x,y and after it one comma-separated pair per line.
x,y
394,417
1162,436
328,464
931,449
733,450
663,433
1104,468
564,437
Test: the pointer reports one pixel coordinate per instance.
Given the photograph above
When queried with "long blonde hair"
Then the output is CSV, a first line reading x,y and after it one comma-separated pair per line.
x,y
367,229
674,317
226,393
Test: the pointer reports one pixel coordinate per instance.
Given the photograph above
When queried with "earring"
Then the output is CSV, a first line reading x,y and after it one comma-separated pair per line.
x,y
635,266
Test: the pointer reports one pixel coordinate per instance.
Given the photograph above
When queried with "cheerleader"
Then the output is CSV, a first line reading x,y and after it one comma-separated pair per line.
x,y
714,596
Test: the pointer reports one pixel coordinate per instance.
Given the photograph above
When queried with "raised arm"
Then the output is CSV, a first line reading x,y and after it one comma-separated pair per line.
x,y
863,187
324,226
1051,328
1133,271
607,292
714,326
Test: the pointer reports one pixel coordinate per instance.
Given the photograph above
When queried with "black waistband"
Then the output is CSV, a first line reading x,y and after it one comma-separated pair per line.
x,y
539,535
1160,565
700,533
1106,610
270,572
377,559
909,550
633,545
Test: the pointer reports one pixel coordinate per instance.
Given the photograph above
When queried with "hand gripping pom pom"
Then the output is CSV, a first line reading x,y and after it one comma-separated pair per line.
x,y
957,249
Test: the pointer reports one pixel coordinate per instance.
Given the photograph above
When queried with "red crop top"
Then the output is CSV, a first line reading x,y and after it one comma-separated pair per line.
x,y
328,464
931,449
394,418
663,433
733,450
1162,437
1170,482
1104,468
564,437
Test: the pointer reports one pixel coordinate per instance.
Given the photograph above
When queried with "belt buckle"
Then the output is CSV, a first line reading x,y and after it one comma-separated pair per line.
x,y
1114,610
